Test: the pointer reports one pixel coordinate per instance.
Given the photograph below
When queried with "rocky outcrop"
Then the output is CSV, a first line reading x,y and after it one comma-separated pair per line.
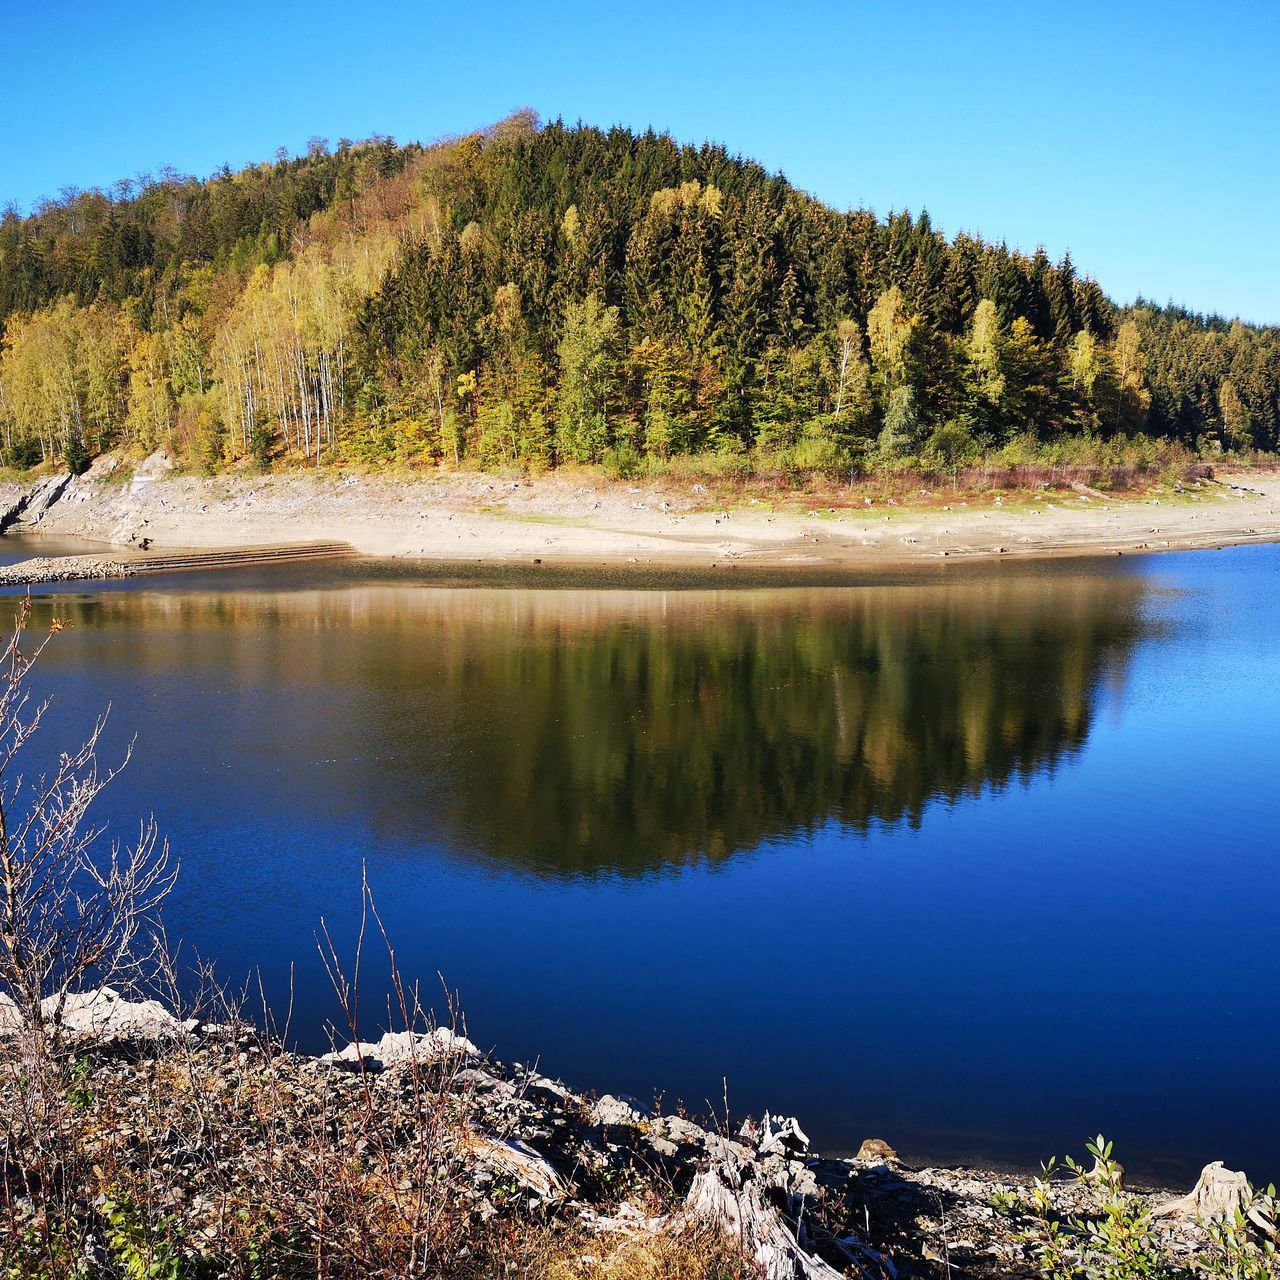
x,y
104,1015
32,505
155,466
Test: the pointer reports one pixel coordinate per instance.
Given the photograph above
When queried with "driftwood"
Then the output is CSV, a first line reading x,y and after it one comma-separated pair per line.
x,y
733,1197
520,1161
1220,1193
782,1135
744,1213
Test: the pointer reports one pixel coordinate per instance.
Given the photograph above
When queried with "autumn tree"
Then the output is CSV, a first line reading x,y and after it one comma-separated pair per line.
x,y
983,366
1129,364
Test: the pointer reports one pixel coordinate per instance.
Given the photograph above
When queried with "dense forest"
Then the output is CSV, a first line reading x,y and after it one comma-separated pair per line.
x,y
531,295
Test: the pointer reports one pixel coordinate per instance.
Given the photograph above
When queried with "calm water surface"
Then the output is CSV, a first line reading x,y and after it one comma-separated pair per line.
x,y
981,863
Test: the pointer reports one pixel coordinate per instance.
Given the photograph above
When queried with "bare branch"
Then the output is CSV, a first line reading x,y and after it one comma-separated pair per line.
x,y
72,911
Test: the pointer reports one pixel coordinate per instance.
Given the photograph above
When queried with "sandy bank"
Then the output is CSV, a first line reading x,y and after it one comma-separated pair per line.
x,y
570,519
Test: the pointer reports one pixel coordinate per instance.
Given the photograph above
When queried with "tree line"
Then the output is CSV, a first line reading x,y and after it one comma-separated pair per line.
x,y
532,295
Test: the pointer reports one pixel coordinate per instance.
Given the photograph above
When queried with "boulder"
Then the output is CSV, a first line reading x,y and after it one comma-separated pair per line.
x,y
609,1110
876,1151
398,1047
105,1014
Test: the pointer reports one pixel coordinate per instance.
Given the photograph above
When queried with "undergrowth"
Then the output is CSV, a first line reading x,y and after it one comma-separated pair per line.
x,y
1117,1236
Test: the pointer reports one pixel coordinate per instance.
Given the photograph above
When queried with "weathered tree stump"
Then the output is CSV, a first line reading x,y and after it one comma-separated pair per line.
x,y
1219,1193
744,1214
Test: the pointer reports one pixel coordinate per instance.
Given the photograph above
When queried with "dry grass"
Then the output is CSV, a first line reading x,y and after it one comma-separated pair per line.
x,y
688,1254
226,1158
221,1155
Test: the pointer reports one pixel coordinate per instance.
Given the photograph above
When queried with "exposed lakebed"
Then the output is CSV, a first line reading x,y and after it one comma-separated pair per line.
x,y
979,859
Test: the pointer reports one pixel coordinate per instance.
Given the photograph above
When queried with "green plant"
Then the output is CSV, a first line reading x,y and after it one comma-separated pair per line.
x,y
622,462
1116,1242
1049,1239
1120,1243
79,1094
212,438
260,447
142,1250
1245,1245
75,455
263,1246
44,1254
1006,1202
22,455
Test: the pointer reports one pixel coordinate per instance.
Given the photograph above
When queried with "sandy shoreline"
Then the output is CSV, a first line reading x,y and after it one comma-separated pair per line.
x,y
571,520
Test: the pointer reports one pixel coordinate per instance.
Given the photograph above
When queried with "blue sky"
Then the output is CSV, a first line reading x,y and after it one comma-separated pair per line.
x,y
1143,137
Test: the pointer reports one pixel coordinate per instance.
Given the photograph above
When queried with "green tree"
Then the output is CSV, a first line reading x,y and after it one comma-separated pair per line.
x,y
1031,400
901,432
588,352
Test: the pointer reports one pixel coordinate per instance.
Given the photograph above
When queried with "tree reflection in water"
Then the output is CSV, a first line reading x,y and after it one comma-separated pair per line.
x,y
573,732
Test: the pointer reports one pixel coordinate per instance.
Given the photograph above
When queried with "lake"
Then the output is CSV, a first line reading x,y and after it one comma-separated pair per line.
x,y
980,860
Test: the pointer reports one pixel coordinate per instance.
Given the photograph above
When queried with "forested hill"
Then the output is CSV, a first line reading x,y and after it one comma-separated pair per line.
x,y
530,295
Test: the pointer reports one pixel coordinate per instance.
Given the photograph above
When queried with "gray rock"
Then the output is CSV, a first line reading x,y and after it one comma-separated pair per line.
x,y
608,1110
398,1047
155,467
682,1131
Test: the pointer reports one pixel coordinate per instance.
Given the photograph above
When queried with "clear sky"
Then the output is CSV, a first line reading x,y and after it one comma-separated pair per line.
x,y
1143,137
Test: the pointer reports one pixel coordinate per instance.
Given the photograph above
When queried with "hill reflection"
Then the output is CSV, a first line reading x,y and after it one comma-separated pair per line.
x,y
571,732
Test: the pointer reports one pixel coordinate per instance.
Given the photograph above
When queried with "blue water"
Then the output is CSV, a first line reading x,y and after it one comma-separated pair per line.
x,y
981,861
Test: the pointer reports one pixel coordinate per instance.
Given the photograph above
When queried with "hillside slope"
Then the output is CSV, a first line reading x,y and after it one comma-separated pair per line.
x,y
530,294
